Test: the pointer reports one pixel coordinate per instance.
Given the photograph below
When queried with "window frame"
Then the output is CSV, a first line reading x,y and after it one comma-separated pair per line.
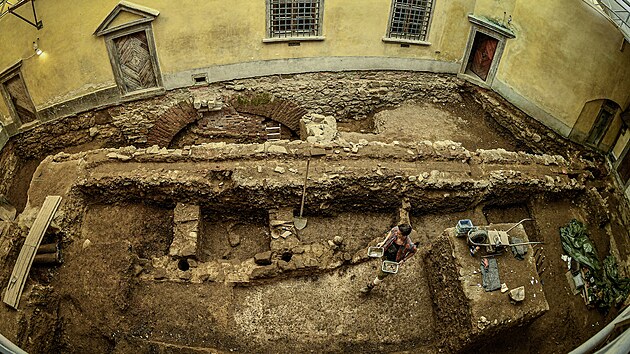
x,y
8,74
389,37
114,59
294,35
110,31
501,34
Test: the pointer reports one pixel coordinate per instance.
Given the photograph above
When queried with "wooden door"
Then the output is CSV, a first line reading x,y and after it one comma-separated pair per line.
x,y
484,50
134,58
20,99
602,122
624,169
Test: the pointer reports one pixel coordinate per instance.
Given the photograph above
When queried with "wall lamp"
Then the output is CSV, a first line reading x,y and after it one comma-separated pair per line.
x,y
36,47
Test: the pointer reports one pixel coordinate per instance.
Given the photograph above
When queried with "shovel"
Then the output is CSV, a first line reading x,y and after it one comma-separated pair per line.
x,y
300,222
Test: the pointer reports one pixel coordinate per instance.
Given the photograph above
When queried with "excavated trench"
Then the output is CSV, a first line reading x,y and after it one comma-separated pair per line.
x,y
193,248
164,239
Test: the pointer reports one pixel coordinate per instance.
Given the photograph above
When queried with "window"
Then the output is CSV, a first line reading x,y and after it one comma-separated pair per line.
x,y
410,20
16,96
294,18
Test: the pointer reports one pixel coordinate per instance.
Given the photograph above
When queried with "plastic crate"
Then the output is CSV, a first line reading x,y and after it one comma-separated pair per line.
x,y
463,227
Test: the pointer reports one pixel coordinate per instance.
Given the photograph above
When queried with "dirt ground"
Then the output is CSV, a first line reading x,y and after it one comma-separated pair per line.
x,y
464,122
102,304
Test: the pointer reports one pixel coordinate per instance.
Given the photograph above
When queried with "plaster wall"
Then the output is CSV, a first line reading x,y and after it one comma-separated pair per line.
x,y
74,62
554,65
585,121
496,10
206,34
565,55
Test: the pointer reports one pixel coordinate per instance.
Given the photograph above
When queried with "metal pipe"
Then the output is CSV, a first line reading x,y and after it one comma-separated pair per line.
x,y
518,223
601,336
48,248
6,346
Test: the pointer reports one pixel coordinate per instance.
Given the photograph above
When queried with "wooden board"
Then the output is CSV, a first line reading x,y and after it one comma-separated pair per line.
x,y
482,59
25,259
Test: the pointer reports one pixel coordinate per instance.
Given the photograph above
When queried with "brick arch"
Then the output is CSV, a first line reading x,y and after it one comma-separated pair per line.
x,y
279,110
170,123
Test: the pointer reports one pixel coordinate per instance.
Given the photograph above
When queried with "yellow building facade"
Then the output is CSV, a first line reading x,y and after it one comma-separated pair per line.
x,y
561,62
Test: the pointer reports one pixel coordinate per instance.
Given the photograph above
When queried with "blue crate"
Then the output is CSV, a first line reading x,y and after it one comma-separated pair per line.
x,y
463,227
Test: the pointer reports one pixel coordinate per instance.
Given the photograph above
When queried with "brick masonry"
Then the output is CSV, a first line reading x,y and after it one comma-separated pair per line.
x,y
278,110
171,122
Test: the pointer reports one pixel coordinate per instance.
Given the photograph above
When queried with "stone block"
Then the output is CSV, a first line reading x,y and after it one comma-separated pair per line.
x,y
185,231
7,211
186,212
264,272
234,239
263,258
160,273
518,294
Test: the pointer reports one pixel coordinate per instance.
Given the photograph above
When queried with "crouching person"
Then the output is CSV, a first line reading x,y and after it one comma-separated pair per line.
x,y
398,247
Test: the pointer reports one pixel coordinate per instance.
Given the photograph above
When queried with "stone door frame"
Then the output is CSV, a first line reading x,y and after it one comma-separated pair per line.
x,y
8,74
501,34
114,59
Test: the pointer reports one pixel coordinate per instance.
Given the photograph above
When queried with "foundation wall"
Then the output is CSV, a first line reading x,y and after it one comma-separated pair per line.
x,y
9,163
346,96
349,95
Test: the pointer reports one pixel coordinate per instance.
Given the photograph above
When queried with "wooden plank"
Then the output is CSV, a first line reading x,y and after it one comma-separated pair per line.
x,y
25,259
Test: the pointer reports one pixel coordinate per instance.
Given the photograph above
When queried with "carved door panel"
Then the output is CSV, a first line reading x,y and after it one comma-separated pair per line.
x,y
483,56
136,66
16,89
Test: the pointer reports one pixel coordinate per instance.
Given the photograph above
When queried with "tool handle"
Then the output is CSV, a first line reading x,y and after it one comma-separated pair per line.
x,y
308,164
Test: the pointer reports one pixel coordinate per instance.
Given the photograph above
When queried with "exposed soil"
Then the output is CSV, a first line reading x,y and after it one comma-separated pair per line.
x,y
232,236
18,193
118,291
463,122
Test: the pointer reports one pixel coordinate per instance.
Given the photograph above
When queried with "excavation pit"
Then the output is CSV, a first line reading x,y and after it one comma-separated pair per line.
x,y
229,235
204,224
159,237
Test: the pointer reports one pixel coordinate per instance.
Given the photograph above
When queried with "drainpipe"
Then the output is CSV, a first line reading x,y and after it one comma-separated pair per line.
x,y
6,347
601,336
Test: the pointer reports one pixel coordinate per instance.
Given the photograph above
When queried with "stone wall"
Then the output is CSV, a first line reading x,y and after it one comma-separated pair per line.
x,y
353,95
9,163
346,96
528,132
